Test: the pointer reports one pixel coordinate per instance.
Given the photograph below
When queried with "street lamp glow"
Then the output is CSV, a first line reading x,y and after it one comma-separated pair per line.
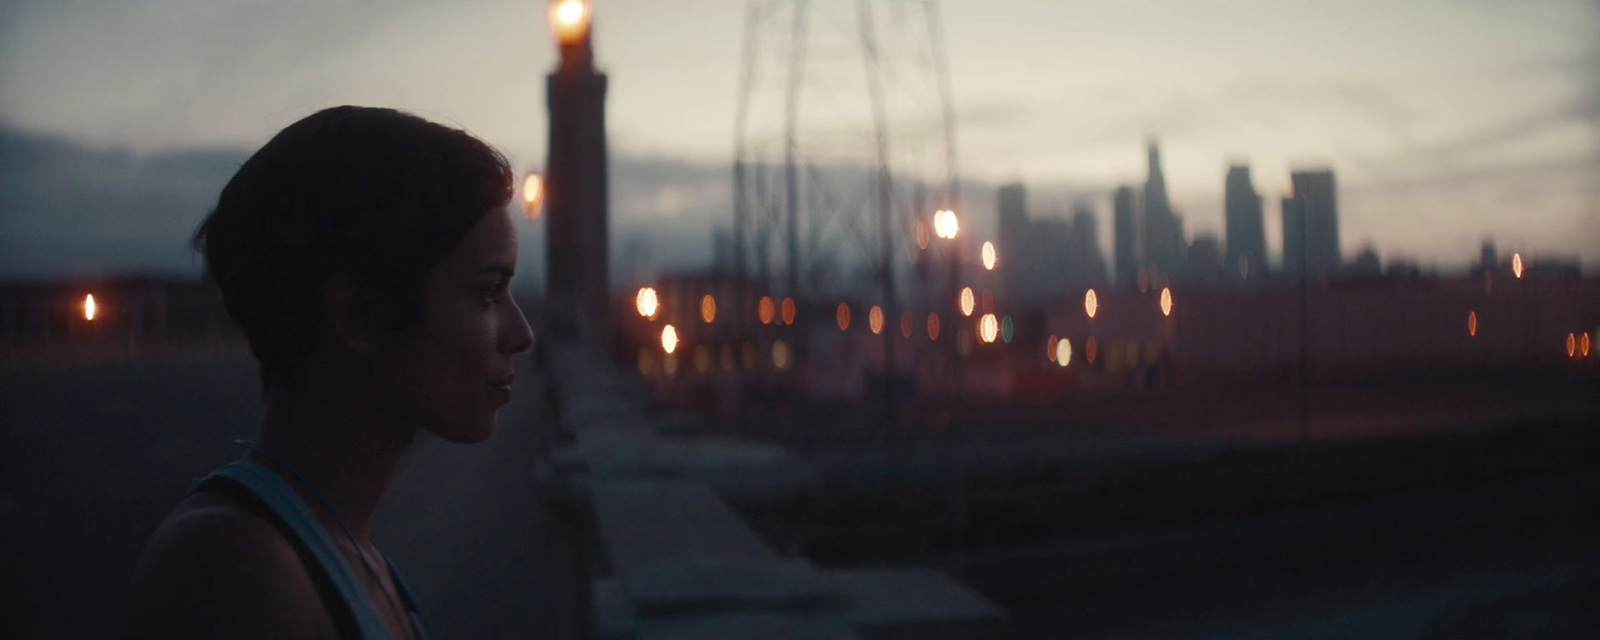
x,y
1091,303
1166,301
532,196
945,224
89,307
647,303
1472,324
765,310
989,256
708,308
843,316
1572,345
788,310
1063,352
570,20
1583,344
875,319
988,328
669,339
968,302
1516,264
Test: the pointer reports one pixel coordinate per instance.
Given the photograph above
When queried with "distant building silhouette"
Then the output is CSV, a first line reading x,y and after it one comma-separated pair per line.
x,y
1490,257
1125,229
1366,266
1088,265
1163,230
1042,259
1246,236
1311,225
1205,261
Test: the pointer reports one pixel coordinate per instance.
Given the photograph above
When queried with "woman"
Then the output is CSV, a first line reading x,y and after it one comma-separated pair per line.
x,y
366,254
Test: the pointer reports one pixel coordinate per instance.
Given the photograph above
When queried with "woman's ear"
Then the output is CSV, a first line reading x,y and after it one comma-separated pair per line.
x,y
350,311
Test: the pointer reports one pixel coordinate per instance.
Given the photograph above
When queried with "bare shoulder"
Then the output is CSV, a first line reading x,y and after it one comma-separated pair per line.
x,y
214,568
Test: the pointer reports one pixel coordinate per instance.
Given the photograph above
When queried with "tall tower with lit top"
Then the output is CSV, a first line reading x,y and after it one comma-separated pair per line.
x,y
577,272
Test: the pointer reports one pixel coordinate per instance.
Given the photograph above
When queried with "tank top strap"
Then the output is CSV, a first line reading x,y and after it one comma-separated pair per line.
x,y
284,502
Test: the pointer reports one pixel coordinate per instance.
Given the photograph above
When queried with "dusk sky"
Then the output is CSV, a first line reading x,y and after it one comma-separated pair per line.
x,y
1446,122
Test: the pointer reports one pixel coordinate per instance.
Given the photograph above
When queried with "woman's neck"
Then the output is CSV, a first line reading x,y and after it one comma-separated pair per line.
x,y
338,441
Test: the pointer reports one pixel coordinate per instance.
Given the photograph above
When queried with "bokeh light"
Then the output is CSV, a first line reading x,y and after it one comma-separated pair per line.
x,y
988,328
1063,352
532,196
780,355
933,326
1472,323
90,309
1166,301
765,309
875,319
788,310
1091,348
842,316
669,339
646,302
708,308
1516,265
969,302
945,224
989,256
1091,303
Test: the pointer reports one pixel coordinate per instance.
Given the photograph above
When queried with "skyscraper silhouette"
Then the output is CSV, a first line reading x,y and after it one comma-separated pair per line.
x,y
1311,225
1246,236
1163,233
1125,229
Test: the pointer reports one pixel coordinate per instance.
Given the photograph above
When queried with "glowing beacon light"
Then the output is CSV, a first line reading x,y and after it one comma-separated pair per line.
x,y
532,196
89,307
842,315
989,256
1472,324
708,308
569,19
1091,303
968,302
875,319
669,339
1063,352
647,303
1516,265
1166,301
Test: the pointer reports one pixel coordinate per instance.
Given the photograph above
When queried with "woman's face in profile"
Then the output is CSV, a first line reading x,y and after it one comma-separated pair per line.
x,y
451,372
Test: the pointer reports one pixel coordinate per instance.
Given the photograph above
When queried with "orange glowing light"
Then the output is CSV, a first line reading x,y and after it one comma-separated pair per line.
x,y
780,355
1064,352
1166,301
1516,264
933,328
570,20
968,302
988,328
1572,345
89,307
842,315
945,224
989,256
708,308
1583,344
1050,347
875,319
1091,303
765,309
1091,349
532,196
646,302
669,339
788,310
1472,323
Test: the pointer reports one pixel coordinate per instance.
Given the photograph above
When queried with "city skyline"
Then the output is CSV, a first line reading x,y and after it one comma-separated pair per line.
x,y
1446,124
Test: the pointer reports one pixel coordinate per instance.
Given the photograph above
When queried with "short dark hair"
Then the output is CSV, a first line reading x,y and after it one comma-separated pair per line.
x,y
380,193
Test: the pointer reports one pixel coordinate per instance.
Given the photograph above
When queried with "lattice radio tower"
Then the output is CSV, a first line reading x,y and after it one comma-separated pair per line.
x,y
844,140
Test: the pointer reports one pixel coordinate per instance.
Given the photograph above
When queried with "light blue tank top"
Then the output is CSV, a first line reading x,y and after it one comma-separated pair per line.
x,y
282,499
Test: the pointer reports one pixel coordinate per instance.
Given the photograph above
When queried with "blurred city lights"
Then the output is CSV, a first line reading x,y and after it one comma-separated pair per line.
x,y
1166,301
875,319
842,315
1006,329
1583,344
933,328
1472,323
708,308
570,20
1063,352
89,307
1050,347
905,324
945,224
780,355
922,236
669,339
532,196
989,256
1572,345
1091,349
788,310
765,309
1516,264
646,302
1091,303
968,302
988,328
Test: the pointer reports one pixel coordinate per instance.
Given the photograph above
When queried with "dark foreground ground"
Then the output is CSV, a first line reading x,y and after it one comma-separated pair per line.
x,y
92,453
